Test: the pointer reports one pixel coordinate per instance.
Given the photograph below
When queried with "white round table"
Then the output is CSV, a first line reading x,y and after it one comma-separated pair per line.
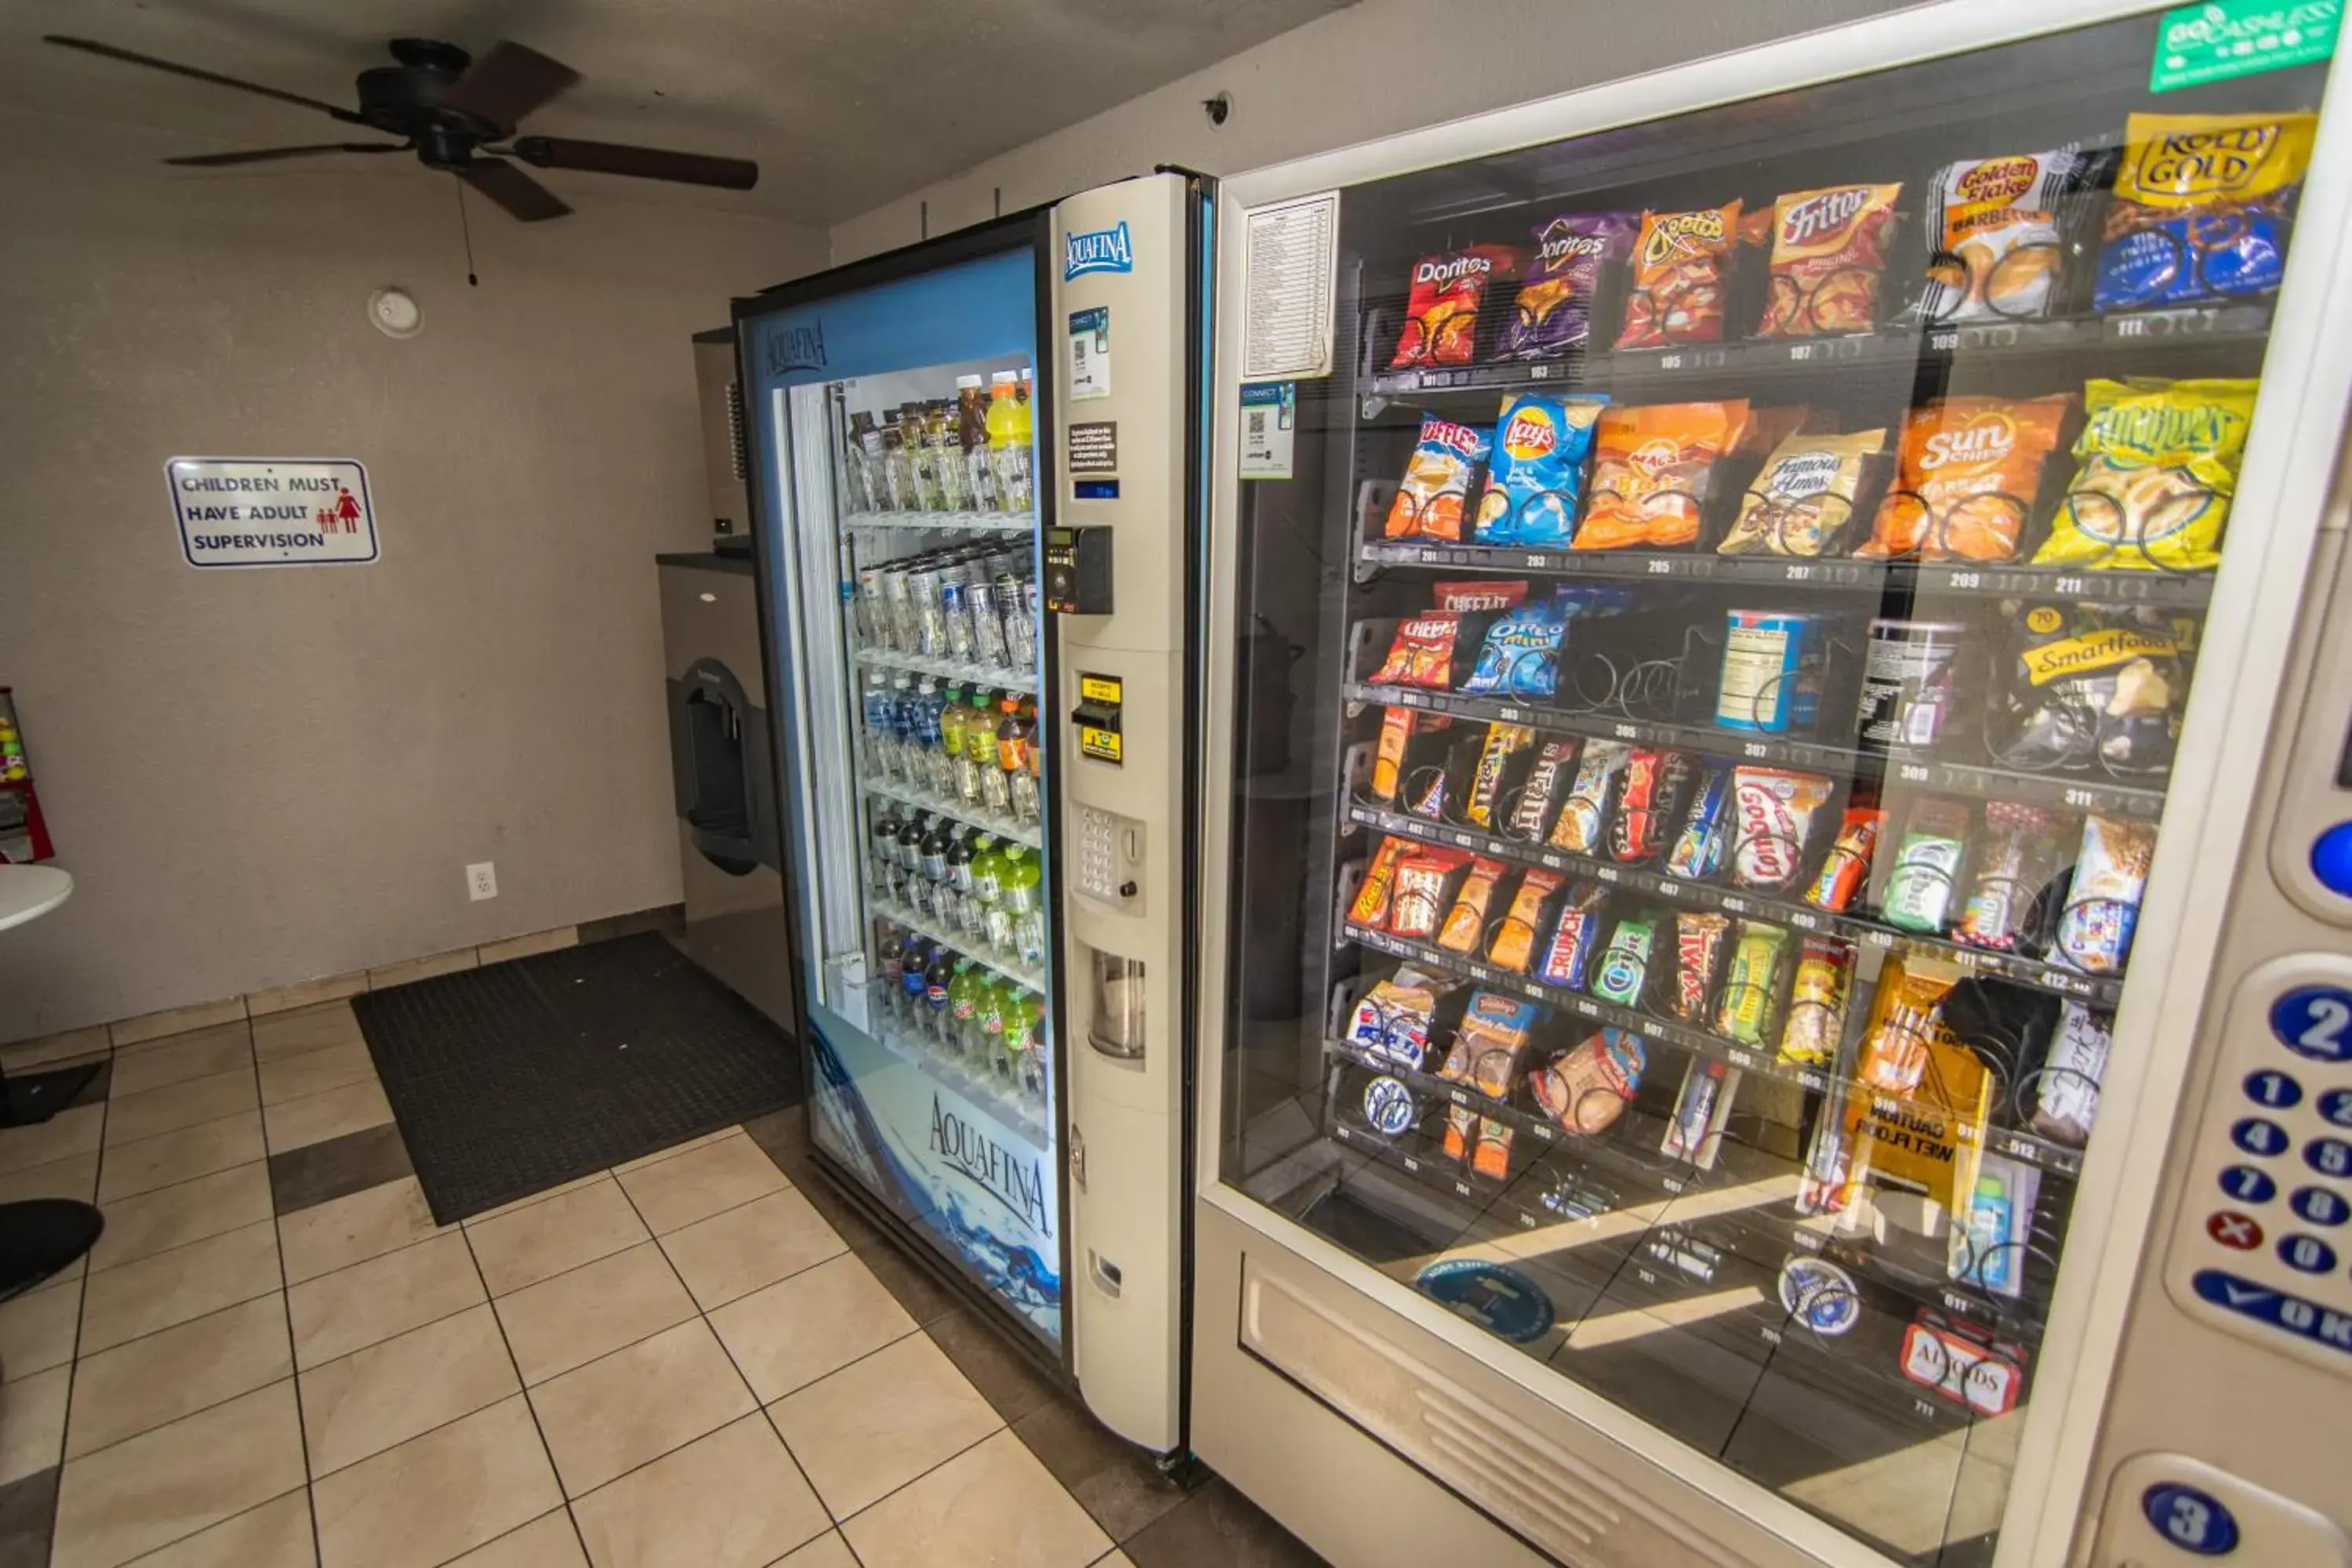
x,y
39,1236
28,892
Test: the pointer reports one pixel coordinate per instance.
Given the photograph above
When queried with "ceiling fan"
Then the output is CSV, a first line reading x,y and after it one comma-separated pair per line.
x,y
459,114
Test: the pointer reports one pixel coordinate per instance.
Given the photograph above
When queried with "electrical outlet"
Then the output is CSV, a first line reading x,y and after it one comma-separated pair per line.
x,y
481,880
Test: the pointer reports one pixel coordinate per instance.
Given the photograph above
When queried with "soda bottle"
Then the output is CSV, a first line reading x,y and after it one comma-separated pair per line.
x,y
971,435
922,760
900,754
933,858
952,711
995,784
915,888
937,979
898,477
964,997
985,610
912,985
989,1031
955,605
874,707
1026,1041
979,749
882,835
988,893
1024,900
1018,615
940,433
890,964
961,852
1021,761
923,591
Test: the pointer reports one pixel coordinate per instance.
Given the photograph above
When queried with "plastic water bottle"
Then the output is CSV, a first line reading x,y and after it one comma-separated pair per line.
x,y
876,705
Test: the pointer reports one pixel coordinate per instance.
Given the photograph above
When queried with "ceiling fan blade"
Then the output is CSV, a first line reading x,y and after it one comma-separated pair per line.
x,y
644,163
265,155
507,83
523,198
91,47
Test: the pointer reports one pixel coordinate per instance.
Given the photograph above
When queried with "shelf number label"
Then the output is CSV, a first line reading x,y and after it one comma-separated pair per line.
x,y
1754,749
1671,361
1912,772
2082,797
1771,1336
1625,732
2072,586
1660,567
1799,573
1967,580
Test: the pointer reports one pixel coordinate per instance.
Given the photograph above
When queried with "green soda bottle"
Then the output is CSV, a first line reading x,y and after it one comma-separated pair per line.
x,y
964,993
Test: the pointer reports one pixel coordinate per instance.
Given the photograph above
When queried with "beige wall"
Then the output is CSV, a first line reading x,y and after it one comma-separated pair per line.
x,y
260,777
1377,68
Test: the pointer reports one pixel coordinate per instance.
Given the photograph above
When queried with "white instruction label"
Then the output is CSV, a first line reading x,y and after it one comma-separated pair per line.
x,y
1269,419
1090,353
1289,275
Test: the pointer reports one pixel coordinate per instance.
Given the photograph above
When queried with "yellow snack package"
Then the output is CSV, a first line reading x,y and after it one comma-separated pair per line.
x,y
2158,465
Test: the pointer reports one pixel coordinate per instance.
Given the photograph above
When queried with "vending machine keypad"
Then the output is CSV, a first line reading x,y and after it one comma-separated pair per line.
x,y
2262,1247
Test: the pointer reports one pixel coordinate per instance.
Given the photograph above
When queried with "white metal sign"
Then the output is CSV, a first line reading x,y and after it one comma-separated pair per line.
x,y
272,511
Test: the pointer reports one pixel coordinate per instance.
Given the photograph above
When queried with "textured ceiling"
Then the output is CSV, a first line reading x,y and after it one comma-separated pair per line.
x,y
844,103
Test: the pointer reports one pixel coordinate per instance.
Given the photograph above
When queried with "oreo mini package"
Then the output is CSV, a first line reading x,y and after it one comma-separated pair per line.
x,y
2202,208
1441,323
1435,491
1522,654
1534,480
1554,312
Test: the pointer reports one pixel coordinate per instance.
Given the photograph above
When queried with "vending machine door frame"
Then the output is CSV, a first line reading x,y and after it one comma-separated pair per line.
x,y
2288,464
770,484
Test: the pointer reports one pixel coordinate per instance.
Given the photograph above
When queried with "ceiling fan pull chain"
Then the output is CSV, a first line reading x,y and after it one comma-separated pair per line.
x,y
465,229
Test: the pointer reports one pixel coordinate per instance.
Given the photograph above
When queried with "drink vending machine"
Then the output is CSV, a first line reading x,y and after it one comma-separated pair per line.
x,y
1813,1024
975,467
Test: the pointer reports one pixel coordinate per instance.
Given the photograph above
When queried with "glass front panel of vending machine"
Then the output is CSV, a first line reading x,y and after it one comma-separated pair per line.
x,y
1744,580
909,581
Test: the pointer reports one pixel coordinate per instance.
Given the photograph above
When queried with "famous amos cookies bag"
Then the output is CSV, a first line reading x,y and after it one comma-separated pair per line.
x,y
2158,465
1829,249
1994,224
1804,499
1969,471
1653,472
1554,309
1441,321
2202,207
1434,495
1679,266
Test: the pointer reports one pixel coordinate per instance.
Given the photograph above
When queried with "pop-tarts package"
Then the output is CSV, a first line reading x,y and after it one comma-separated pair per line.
x,y
1554,311
1534,477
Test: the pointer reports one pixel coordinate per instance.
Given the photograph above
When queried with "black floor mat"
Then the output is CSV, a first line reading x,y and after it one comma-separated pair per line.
x,y
512,1078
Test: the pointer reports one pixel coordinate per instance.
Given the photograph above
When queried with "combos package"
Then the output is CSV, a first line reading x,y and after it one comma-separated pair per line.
x,y
1441,323
1653,471
1554,312
1536,479
1434,497
1829,249
2202,207
1680,264
2158,465
1994,223
1970,468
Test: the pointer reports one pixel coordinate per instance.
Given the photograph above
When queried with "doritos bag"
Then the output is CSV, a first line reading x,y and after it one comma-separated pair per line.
x,y
1441,323
1554,312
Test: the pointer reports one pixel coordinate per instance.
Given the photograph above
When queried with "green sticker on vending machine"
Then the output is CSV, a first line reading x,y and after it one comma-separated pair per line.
x,y
2225,38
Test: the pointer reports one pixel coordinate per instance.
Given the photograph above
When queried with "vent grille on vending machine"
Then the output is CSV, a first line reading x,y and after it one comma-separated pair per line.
x,y
735,431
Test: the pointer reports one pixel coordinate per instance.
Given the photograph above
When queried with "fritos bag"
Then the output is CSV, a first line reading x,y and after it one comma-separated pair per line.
x,y
2160,462
1969,471
1678,277
1829,248
1441,323
1436,488
1994,224
1653,471
1554,312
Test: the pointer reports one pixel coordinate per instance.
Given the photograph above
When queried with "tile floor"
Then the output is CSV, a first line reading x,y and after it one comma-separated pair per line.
x,y
704,1359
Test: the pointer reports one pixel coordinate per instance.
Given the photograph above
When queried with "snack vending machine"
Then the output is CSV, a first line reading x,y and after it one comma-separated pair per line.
x,y
1811,1023
975,479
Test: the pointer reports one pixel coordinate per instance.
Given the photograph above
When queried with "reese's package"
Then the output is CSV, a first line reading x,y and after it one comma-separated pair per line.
x,y
1829,249
1804,497
1435,492
1680,262
2158,465
1535,481
1554,311
1653,472
1441,323
1969,470
2202,207
1994,224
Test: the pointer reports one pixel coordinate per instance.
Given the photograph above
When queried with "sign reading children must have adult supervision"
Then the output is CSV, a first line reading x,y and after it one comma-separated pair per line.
x,y
272,511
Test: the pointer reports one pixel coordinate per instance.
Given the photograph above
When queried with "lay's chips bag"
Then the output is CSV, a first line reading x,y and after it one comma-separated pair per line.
x,y
2160,462
1535,480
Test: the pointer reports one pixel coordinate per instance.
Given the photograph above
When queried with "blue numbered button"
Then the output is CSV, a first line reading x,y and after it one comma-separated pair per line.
x,y
2331,859
2308,1253
2328,1156
2256,1136
2274,1090
2248,1185
2315,1021
2321,1207
2336,1106
2192,1519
